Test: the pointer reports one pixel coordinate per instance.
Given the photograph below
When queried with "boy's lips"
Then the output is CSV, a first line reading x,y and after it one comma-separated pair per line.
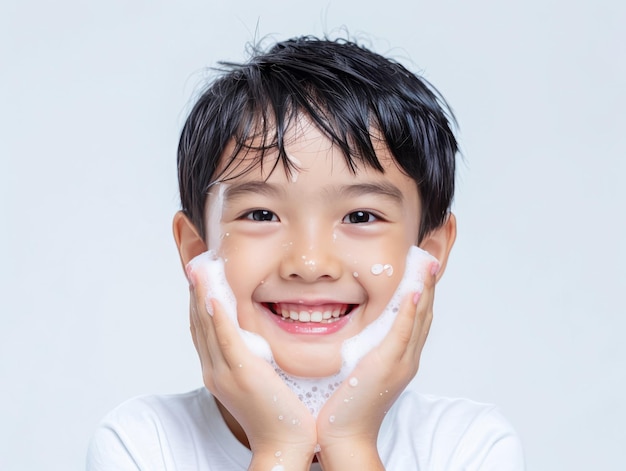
x,y
300,318
310,313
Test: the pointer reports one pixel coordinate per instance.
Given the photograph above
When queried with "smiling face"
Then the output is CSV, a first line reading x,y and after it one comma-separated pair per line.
x,y
315,256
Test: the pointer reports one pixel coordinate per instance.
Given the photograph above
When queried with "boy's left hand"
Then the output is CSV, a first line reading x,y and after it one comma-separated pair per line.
x,y
348,424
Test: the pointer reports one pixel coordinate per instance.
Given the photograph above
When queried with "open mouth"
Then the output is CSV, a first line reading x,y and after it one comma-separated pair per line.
x,y
324,314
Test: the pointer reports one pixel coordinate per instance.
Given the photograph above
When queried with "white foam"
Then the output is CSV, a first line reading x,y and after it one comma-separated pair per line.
x,y
314,392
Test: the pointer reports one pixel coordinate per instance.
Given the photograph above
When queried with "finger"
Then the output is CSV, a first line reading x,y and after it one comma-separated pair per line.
x,y
232,347
410,328
200,335
204,314
395,342
423,312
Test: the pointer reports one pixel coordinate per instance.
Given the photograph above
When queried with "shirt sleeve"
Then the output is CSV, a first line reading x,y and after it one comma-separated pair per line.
x,y
107,451
113,447
490,444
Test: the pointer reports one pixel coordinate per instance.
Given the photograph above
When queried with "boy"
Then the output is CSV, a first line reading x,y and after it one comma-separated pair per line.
x,y
311,170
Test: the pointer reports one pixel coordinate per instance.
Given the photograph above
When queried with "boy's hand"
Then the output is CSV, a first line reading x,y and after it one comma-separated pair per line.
x,y
348,424
279,428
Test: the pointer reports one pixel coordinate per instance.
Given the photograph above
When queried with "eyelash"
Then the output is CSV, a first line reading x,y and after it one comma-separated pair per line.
x,y
264,215
370,217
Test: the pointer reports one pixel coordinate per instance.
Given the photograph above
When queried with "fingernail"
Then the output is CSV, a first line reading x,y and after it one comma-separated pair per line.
x,y
416,297
434,268
209,307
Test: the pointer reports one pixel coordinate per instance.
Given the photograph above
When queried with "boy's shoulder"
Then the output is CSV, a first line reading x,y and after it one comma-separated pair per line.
x,y
143,411
163,432
448,433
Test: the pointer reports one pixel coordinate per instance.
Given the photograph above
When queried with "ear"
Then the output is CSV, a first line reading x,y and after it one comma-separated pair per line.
x,y
439,242
188,240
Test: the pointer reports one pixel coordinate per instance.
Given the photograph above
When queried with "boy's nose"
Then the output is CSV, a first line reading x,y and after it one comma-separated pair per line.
x,y
311,260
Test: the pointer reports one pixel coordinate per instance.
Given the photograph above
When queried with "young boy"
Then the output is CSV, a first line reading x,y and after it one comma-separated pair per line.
x,y
311,170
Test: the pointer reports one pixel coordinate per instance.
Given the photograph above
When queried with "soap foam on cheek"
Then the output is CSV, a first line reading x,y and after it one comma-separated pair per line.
x,y
314,392
355,348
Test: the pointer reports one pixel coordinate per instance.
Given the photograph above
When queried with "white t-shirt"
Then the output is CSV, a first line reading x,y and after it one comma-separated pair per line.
x,y
186,432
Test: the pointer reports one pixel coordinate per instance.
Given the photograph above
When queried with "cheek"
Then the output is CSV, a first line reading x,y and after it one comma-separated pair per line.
x,y
246,265
377,266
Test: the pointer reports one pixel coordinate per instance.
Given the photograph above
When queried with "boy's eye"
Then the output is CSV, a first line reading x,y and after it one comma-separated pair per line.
x,y
359,217
261,215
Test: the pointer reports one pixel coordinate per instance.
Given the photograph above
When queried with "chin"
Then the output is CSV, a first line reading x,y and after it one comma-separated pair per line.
x,y
310,364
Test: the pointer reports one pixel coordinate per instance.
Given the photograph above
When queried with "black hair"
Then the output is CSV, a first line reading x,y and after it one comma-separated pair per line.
x,y
353,95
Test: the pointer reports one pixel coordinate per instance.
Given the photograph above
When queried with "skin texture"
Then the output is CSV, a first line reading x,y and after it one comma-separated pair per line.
x,y
305,251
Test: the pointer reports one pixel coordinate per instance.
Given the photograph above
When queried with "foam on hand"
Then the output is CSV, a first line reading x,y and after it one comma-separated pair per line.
x,y
314,392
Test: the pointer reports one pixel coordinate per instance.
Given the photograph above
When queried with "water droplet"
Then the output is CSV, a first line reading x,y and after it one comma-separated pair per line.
x,y
317,448
353,382
277,454
331,419
280,417
355,274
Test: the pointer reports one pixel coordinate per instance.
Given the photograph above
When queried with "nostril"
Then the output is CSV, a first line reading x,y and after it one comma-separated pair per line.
x,y
309,267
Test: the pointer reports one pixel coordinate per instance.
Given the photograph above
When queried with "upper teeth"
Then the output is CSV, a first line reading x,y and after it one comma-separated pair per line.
x,y
307,315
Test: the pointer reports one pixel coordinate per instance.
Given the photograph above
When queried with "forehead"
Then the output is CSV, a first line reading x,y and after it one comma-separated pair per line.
x,y
302,146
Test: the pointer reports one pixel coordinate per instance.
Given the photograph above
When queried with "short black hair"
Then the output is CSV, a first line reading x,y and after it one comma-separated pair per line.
x,y
350,93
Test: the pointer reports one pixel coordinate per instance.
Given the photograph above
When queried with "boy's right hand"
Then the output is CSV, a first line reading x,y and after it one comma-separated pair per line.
x,y
279,428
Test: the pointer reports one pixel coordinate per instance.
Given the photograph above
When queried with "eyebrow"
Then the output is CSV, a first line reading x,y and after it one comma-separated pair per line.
x,y
236,190
233,191
378,188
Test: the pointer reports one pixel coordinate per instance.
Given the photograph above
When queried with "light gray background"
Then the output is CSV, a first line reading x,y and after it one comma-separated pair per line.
x,y
530,314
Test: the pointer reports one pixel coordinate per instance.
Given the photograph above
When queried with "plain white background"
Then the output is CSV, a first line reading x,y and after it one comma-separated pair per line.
x,y
530,314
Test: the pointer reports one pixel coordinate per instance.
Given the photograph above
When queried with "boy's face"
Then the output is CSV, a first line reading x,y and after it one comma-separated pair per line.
x,y
314,257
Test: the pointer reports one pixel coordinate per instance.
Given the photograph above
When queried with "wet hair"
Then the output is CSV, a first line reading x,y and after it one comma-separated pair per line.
x,y
353,95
